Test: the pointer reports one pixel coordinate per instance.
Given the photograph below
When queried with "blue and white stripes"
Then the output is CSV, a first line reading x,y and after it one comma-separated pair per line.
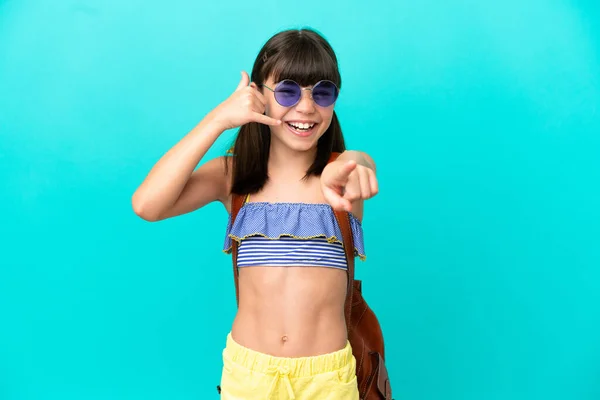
x,y
287,251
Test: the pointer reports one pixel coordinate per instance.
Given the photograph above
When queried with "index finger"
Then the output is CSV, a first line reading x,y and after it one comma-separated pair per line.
x,y
263,119
344,171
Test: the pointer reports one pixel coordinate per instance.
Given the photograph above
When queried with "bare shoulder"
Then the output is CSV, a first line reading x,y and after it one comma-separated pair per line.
x,y
227,165
217,173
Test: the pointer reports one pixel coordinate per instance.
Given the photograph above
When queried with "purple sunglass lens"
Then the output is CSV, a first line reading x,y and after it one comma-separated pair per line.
x,y
325,93
288,93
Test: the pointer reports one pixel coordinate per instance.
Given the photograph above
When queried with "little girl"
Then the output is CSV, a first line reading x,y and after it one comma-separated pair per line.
x,y
289,338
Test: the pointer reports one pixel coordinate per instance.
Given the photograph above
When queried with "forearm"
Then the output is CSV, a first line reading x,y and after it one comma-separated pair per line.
x,y
359,157
166,180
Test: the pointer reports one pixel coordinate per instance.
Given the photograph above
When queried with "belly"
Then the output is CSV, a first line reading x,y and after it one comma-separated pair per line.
x,y
291,311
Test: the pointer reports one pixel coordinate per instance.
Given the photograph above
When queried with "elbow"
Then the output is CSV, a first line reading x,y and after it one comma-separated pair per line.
x,y
141,209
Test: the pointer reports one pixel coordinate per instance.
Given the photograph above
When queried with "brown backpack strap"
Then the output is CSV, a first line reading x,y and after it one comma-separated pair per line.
x,y
237,201
344,223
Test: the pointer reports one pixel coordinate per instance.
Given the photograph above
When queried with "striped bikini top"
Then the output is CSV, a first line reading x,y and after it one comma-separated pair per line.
x,y
286,234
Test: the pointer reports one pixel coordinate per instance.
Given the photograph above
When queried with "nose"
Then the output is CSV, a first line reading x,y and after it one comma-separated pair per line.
x,y
306,104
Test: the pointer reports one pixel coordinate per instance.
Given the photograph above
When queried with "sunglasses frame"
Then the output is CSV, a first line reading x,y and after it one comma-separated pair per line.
x,y
301,89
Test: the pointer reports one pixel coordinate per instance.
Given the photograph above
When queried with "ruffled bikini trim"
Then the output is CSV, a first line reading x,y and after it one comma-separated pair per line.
x,y
316,217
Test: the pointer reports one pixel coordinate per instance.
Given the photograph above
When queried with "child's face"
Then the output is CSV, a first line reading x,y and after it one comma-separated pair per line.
x,y
305,111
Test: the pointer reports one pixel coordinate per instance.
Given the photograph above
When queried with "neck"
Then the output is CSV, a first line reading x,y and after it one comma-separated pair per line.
x,y
290,163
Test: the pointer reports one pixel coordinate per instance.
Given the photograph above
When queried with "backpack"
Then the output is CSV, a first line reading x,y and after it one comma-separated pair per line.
x,y
364,331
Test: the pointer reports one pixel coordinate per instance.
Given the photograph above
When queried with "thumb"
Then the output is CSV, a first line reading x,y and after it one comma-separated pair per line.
x,y
243,82
336,201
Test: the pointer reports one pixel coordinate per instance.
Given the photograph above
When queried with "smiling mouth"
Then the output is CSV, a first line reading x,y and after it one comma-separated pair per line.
x,y
302,128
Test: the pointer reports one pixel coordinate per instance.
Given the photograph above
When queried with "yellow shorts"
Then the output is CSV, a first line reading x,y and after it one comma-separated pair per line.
x,y
248,375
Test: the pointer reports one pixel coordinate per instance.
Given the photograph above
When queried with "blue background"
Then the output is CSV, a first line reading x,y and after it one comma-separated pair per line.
x,y
483,245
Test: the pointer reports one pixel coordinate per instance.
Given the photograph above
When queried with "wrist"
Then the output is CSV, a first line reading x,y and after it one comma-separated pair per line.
x,y
215,122
208,128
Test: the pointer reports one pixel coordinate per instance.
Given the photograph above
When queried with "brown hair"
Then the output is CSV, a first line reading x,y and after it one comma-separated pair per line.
x,y
306,57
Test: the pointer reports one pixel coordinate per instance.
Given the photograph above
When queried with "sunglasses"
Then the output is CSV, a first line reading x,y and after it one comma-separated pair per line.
x,y
288,93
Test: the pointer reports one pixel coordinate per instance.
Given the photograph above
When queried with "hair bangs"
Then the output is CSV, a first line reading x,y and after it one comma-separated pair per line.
x,y
305,63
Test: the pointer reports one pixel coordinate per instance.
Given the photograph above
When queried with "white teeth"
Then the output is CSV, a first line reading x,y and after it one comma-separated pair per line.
x,y
301,125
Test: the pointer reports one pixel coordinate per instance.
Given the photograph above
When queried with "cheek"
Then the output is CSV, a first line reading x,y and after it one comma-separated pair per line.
x,y
327,116
274,110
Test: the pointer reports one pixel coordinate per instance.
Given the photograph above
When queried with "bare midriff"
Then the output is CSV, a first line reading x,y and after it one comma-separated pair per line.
x,y
291,311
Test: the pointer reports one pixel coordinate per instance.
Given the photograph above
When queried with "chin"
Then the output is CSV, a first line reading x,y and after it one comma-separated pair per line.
x,y
300,146
299,143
